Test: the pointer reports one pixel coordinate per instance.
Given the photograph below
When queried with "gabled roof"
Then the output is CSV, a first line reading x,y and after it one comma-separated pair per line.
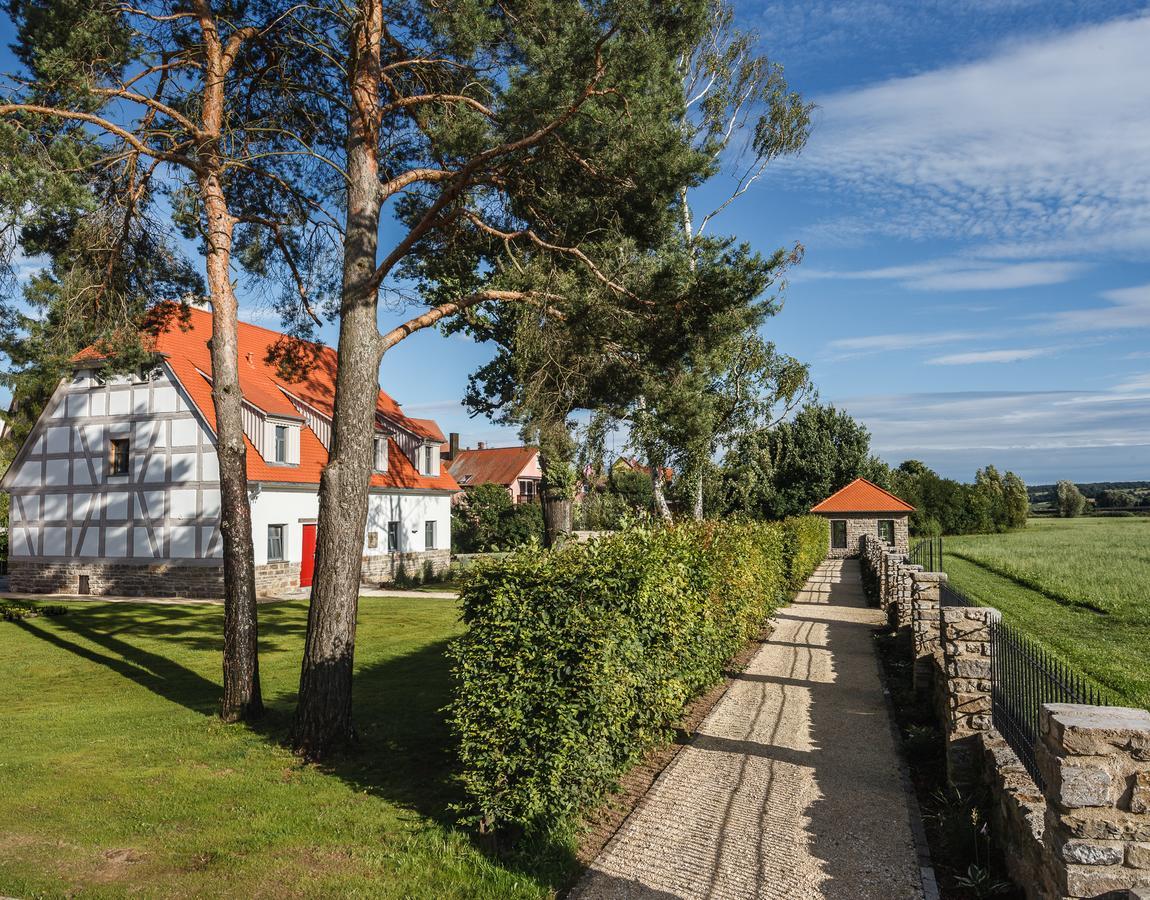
x,y
862,496
182,339
493,465
634,465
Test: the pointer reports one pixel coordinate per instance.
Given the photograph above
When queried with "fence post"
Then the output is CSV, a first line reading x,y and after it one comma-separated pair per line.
x,y
965,638
1096,764
926,603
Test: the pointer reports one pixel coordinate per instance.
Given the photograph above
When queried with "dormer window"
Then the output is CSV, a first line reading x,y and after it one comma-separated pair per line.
x,y
380,455
280,445
427,460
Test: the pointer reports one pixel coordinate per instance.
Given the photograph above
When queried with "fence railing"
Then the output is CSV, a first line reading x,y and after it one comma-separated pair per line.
x,y
1023,677
927,552
949,595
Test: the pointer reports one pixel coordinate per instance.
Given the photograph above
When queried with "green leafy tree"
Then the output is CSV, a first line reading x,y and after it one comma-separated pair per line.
x,y
1017,501
486,518
1071,502
814,454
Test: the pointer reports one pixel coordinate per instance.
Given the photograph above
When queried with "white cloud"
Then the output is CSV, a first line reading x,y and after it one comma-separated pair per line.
x,y
1129,308
991,356
846,348
959,274
1033,420
1044,141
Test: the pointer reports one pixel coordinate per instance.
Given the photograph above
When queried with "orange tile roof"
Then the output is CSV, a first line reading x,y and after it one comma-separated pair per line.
x,y
862,496
492,465
183,341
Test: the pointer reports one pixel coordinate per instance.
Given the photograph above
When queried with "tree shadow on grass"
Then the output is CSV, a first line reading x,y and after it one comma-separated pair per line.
x,y
405,753
157,673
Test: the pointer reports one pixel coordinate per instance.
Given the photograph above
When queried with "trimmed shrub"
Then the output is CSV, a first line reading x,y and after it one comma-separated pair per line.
x,y
805,541
577,661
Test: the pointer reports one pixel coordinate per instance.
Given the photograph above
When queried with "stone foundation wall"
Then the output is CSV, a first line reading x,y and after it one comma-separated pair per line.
x,y
383,568
276,578
117,579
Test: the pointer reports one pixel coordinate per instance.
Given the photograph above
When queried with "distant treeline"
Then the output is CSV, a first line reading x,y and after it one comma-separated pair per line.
x,y
1100,495
944,506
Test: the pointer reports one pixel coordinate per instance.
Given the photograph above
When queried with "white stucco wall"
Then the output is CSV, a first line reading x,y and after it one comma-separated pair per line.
x,y
294,508
411,511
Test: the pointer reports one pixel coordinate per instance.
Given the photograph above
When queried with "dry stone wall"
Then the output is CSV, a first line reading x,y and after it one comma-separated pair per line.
x,y
1088,834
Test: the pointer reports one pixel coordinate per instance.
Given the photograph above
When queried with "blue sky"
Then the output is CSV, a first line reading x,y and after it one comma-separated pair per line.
x,y
975,207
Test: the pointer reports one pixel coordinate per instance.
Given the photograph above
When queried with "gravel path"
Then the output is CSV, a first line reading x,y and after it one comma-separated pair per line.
x,y
791,788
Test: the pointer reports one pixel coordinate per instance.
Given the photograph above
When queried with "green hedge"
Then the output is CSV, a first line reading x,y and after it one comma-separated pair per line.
x,y
577,661
806,539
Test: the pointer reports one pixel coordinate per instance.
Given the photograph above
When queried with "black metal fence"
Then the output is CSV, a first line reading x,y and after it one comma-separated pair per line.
x,y
952,596
1023,678
927,552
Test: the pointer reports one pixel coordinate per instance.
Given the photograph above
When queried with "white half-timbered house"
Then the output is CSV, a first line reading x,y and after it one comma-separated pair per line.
x,y
116,489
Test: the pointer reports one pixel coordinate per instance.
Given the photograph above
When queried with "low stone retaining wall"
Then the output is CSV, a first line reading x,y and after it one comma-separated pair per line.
x,y
385,567
1087,835
116,579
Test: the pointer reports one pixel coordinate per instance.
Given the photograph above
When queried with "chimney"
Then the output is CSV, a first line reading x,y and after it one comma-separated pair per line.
x,y
452,445
482,445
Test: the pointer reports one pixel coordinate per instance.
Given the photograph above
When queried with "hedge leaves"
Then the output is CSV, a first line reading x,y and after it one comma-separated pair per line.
x,y
577,661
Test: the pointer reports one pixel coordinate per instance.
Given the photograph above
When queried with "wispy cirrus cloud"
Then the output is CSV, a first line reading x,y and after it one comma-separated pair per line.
x,y
960,274
1128,308
1042,141
846,348
976,357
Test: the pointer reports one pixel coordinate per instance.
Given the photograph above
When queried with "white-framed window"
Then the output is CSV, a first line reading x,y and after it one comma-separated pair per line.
x,y
527,488
428,460
281,444
429,534
379,462
392,536
886,530
276,543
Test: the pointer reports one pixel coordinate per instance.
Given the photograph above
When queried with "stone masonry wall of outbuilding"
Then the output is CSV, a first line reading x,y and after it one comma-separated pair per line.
x,y
862,524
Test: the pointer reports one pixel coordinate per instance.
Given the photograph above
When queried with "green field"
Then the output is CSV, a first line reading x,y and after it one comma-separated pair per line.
x,y
1081,587
116,777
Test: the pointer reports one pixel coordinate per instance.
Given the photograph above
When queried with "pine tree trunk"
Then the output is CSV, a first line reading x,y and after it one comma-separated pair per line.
x,y
698,496
242,697
556,518
323,721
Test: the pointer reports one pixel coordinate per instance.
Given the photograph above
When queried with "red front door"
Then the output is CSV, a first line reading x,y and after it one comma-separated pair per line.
x,y
307,561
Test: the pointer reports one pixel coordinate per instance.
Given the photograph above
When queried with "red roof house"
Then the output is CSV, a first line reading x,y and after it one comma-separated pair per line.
x,y
514,468
863,507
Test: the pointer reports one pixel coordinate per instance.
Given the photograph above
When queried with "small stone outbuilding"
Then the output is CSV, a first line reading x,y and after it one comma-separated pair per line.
x,y
865,508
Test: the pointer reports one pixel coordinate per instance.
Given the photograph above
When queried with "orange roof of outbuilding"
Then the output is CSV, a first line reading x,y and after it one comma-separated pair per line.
x,y
181,336
491,465
862,496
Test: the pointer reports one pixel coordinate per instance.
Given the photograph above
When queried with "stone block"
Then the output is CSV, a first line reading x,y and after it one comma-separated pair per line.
x,y
1140,793
1078,785
1096,881
1090,853
1094,730
1138,855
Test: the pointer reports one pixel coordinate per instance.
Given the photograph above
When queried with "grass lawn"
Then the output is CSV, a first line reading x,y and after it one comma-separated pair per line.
x,y
1081,587
116,777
